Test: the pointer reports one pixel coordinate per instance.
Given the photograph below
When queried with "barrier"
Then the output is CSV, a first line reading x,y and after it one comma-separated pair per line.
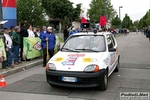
x,y
2,51
32,47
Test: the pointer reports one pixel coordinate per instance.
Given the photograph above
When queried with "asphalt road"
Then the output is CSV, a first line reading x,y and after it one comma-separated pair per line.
x,y
134,76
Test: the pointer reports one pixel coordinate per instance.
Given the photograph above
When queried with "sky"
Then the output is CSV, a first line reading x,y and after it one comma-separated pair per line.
x,y
136,9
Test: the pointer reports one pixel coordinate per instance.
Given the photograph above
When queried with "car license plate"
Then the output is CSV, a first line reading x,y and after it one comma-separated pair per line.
x,y
69,79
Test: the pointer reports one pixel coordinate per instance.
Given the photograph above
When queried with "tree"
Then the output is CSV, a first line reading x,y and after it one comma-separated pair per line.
x,y
61,9
145,20
127,22
30,11
116,22
97,9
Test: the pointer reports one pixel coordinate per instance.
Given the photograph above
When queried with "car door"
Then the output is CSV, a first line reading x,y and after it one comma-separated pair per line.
x,y
111,54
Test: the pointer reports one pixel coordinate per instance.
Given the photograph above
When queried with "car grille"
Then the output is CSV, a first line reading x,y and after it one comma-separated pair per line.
x,y
79,79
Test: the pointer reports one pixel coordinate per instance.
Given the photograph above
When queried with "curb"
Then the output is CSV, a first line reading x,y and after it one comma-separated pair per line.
x,y
21,68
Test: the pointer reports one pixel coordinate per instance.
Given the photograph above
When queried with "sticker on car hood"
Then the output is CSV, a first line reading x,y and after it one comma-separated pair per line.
x,y
89,60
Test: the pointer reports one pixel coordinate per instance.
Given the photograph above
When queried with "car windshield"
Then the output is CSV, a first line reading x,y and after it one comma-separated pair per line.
x,y
86,43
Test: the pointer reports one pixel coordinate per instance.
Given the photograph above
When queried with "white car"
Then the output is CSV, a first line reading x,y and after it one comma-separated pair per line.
x,y
85,60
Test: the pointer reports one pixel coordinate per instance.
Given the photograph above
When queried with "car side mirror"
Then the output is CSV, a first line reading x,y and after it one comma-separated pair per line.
x,y
112,50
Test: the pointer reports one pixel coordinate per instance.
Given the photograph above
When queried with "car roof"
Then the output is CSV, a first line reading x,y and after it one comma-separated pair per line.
x,y
92,33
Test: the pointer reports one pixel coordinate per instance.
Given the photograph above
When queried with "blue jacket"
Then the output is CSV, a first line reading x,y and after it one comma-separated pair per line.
x,y
51,40
41,36
72,32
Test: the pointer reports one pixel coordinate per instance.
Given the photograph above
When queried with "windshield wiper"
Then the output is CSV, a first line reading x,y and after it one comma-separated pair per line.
x,y
68,49
87,50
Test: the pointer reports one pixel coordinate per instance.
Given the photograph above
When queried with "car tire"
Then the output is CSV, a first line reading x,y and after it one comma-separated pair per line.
x,y
117,67
104,82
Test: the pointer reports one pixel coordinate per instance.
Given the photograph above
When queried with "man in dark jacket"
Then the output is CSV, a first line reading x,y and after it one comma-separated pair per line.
x,y
23,33
66,33
148,33
49,37
16,44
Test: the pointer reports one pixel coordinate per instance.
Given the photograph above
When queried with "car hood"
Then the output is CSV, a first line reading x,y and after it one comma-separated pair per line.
x,y
65,61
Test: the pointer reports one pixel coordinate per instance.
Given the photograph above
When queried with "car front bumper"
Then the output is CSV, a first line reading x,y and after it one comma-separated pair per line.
x,y
83,79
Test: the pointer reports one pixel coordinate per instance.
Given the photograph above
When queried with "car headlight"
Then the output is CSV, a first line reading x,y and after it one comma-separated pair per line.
x,y
50,66
92,68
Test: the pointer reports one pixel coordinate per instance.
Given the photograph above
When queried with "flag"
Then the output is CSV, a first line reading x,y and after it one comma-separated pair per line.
x,y
83,20
102,21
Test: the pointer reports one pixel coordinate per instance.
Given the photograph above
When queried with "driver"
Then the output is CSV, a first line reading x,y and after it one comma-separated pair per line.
x,y
83,44
98,44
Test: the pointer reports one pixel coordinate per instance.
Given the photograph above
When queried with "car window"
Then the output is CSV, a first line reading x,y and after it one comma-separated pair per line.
x,y
87,43
113,41
109,41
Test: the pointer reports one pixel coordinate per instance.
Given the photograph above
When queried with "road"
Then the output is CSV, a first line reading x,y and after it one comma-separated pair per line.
x,y
134,76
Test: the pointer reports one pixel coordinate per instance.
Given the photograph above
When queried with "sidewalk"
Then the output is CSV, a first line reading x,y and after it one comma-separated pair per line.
x,y
21,67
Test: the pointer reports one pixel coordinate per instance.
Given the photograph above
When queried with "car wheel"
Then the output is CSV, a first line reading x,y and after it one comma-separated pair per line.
x,y
104,82
117,67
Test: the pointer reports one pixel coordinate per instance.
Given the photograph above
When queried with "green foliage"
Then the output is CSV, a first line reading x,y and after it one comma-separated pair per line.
x,y
116,22
61,9
127,22
97,9
145,20
30,11
135,24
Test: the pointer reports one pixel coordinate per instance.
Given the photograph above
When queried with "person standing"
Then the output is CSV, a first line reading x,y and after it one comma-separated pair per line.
x,y
23,33
49,37
16,44
73,31
66,33
30,32
38,32
148,33
8,45
125,31
11,31
35,32
42,34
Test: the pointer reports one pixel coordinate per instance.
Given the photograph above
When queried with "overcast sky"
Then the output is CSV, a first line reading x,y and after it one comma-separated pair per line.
x,y
136,9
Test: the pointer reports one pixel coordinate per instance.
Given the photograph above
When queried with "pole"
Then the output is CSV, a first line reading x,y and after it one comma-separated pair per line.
x,y
119,13
1,14
105,8
47,49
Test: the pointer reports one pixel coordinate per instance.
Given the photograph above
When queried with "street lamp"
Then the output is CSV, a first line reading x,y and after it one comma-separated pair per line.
x,y
119,11
120,16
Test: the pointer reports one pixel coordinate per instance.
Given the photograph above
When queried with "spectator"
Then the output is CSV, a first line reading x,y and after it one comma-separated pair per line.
x,y
66,33
149,33
35,32
38,32
49,37
73,31
42,33
30,32
23,33
16,44
8,46
78,30
11,31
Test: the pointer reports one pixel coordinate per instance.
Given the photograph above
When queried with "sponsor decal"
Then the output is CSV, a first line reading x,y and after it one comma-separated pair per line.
x,y
112,58
117,51
70,61
89,60
37,46
59,59
106,61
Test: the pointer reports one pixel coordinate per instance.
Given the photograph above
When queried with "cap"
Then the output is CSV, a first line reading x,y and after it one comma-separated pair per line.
x,y
5,28
49,28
